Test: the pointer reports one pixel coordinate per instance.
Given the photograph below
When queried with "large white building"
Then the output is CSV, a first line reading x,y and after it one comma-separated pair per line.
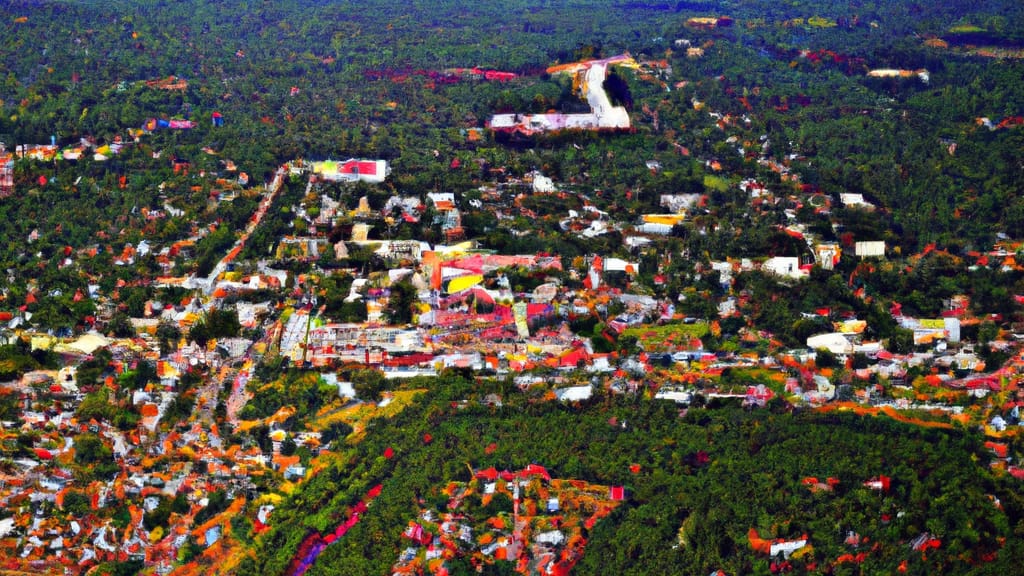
x,y
351,170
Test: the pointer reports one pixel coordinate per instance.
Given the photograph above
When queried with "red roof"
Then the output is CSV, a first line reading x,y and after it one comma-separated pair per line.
x,y
409,359
367,167
487,474
535,470
881,483
1000,450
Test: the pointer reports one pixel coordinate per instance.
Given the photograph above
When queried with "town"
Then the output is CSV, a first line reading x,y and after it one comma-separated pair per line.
x,y
593,323
172,390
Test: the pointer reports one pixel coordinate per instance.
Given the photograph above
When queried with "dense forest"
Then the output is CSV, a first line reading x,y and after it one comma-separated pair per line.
x,y
343,79
686,513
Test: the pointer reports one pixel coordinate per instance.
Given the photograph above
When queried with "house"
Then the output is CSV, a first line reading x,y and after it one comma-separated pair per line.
x,y
6,174
775,547
620,265
679,202
855,200
827,255
925,541
788,266
677,396
703,22
169,83
295,472
574,393
786,547
552,537
41,152
834,342
928,330
869,249
664,219
880,483
542,184
443,201
921,73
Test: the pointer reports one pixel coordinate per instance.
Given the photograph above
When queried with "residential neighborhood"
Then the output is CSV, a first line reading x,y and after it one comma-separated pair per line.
x,y
581,326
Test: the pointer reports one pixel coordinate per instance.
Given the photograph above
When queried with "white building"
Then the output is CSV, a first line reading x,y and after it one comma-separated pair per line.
x,y
874,248
352,170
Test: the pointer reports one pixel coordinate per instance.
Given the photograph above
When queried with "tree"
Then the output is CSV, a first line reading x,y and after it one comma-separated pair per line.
x,y
987,332
158,517
120,326
144,373
199,333
10,407
859,361
128,568
90,449
352,312
15,360
288,446
189,550
400,302
168,335
368,384
824,358
223,323
76,503
97,405
336,431
901,341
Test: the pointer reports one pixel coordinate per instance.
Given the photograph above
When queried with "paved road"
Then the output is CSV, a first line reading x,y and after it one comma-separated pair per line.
x,y
268,198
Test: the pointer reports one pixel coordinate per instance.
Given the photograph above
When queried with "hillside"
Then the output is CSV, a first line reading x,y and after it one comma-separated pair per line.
x,y
305,287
